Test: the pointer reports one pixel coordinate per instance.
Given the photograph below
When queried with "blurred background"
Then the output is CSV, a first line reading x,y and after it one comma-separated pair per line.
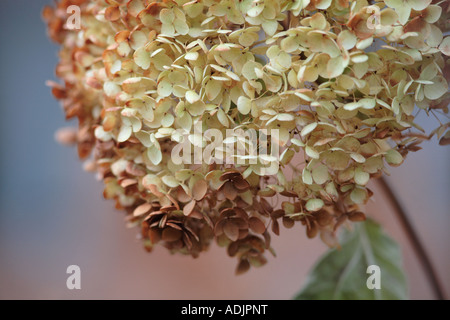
x,y
52,213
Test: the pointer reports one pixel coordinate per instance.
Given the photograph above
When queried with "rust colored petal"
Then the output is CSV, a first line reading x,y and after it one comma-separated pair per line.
x,y
256,225
231,230
242,267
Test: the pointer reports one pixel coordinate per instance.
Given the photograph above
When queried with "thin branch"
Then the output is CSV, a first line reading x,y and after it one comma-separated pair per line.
x,y
415,241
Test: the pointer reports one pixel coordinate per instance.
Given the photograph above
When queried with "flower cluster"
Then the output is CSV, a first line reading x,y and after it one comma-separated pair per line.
x,y
341,80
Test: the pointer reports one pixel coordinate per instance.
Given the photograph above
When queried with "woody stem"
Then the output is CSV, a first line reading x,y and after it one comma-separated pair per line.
x,y
414,239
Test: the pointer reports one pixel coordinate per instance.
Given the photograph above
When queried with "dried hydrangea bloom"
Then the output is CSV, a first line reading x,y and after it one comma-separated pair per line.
x,y
342,82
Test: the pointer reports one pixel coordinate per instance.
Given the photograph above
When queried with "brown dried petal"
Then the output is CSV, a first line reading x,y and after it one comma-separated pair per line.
x,y
154,189
257,261
66,136
135,169
242,267
266,205
227,212
127,182
112,13
182,196
241,223
142,209
267,239
256,243
233,249
229,191
154,235
199,190
445,140
196,215
173,224
277,214
208,220
222,240
241,203
187,241
267,192
241,184
173,201
256,225
243,233
154,214
312,229
218,229
231,230
162,222
191,232
229,175
275,227
168,208
189,207
241,213
170,234
288,222
356,216
287,193
323,218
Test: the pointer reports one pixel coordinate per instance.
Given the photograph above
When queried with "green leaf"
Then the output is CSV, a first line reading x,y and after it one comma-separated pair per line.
x,y
341,273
